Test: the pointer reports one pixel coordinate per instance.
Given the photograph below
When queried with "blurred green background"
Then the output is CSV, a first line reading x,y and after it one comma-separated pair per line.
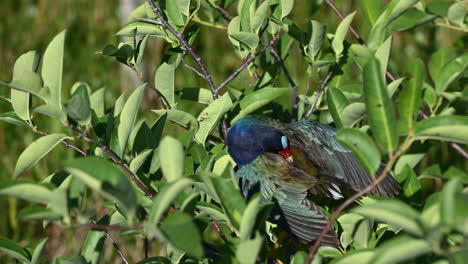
x,y
29,25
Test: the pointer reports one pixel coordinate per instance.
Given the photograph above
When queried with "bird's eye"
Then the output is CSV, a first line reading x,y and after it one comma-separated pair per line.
x,y
284,142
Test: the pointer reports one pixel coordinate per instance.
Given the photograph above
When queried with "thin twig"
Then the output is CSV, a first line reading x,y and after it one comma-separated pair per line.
x,y
354,32
223,11
249,59
122,256
356,196
82,152
191,68
110,227
148,20
116,160
459,150
218,229
185,46
319,92
290,80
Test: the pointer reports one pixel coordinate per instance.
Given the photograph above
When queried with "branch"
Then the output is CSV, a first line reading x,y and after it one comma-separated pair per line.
x,y
185,46
290,80
110,227
354,32
122,256
148,20
82,152
248,60
319,92
223,11
356,196
190,67
115,158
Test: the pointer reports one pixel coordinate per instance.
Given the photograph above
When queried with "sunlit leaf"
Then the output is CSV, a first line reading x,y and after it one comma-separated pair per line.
x,y
379,107
447,128
128,117
36,151
171,156
211,115
52,68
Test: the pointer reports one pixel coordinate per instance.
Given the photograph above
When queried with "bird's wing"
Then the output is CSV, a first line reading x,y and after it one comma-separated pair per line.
x,y
314,147
281,182
304,218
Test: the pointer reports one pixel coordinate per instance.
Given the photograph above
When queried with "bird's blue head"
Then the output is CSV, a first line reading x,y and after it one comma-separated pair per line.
x,y
252,136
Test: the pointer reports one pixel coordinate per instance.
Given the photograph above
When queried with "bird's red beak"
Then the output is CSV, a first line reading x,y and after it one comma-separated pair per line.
x,y
285,152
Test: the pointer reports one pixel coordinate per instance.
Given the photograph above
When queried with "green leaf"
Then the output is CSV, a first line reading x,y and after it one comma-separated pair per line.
x,y
450,72
371,10
180,117
410,160
438,60
138,161
355,256
203,96
340,34
140,53
257,99
164,81
232,201
411,94
447,204
438,7
25,66
104,177
249,39
393,86
379,107
244,12
182,233
38,213
97,102
53,111
79,106
299,258
173,13
38,251
183,6
36,151
362,146
393,212
401,249
249,217
336,102
52,68
317,36
260,15
164,199
171,155
352,113
412,184
93,244
247,250
396,8
446,128
128,117
35,193
142,29
456,13
12,118
211,115
411,19
10,248
383,54
286,7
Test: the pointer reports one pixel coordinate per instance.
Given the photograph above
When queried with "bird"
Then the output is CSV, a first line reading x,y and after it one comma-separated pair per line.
x,y
289,164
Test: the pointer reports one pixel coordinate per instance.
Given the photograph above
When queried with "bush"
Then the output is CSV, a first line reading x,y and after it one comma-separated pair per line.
x,y
176,189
